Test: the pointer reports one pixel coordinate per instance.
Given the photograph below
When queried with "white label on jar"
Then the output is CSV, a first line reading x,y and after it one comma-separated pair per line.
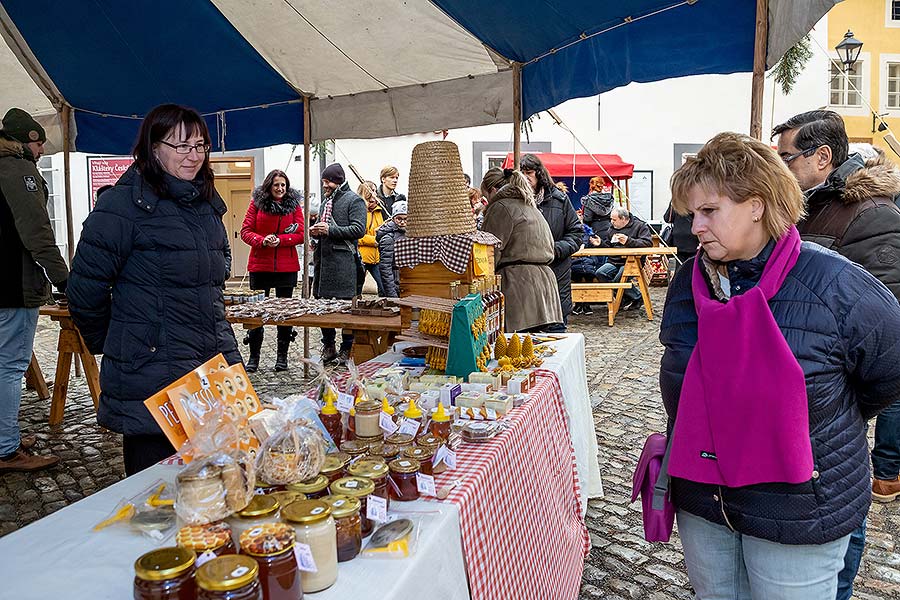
x,y
205,558
445,455
260,492
337,503
317,511
409,427
353,484
404,463
425,484
239,572
305,560
376,508
344,402
255,531
386,422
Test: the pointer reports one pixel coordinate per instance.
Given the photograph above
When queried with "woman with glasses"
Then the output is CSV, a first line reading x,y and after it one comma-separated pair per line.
x,y
146,282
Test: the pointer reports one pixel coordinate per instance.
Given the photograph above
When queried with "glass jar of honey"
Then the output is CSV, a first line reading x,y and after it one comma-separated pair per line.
x,y
440,423
315,527
425,456
272,546
314,488
376,470
386,452
229,578
334,465
403,479
165,574
212,539
357,487
401,440
430,441
286,497
368,413
354,448
262,509
345,510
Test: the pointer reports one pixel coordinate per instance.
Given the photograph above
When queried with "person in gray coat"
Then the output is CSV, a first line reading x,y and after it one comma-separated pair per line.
x,y
386,236
339,268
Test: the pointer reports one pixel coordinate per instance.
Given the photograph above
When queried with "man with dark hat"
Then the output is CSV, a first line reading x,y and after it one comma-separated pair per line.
x,y
28,257
339,269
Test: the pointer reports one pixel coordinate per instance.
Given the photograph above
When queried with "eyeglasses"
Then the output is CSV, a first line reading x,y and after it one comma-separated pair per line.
x,y
787,158
202,148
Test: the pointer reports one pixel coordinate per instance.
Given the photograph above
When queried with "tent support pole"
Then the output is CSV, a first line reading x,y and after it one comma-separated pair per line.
x,y
517,113
66,115
759,68
307,133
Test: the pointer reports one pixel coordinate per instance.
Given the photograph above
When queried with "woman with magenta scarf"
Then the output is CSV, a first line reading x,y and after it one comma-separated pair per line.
x,y
777,351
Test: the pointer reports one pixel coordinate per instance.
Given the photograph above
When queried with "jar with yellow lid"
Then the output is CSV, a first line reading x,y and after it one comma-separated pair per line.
x,y
413,412
376,470
315,487
210,539
286,497
315,527
440,423
331,420
403,440
368,413
386,452
262,509
357,487
272,546
431,441
165,574
425,456
264,487
403,479
229,578
355,448
345,510
334,465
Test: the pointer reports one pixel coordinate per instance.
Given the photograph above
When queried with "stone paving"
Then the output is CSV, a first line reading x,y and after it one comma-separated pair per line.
x,y
622,370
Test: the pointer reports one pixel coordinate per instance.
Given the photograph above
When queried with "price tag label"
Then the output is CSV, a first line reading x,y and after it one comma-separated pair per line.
x,y
491,414
386,422
446,456
344,402
352,484
376,508
205,558
425,484
305,560
409,426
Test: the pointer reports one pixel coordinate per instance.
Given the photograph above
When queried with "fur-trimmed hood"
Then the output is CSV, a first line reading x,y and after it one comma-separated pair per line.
x,y
11,147
880,177
287,205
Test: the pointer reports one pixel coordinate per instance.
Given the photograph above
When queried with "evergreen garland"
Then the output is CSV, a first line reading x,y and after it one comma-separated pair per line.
x,y
788,69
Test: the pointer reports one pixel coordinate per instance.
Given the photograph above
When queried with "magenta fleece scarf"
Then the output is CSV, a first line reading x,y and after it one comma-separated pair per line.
x,y
743,412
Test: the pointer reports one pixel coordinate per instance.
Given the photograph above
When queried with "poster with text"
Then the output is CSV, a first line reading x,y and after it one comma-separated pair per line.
x,y
105,170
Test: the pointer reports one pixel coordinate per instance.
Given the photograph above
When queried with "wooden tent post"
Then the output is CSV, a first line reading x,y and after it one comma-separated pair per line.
x,y
627,197
307,136
759,68
517,114
66,116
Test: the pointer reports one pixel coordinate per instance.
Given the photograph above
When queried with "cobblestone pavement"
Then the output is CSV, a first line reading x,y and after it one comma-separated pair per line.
x,y
622,375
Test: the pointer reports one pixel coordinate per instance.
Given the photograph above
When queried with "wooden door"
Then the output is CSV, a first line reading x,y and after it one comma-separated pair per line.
x,y
234,182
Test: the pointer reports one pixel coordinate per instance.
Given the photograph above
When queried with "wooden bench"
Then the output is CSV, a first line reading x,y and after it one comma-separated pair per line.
x,y
611,293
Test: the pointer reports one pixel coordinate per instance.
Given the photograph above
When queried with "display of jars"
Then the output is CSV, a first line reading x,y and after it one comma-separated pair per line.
x,y
334,466
316,487
354,448
403,479
229,578
376,470
368,413
425,456
262,509
315,527
272,546
345,510
165,574
214,538
357,487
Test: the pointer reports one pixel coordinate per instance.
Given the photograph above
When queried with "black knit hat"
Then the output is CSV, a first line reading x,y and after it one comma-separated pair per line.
x,y
334,173
19,125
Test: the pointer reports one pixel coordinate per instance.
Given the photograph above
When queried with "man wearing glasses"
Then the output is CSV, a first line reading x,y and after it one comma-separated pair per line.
x,y
850,201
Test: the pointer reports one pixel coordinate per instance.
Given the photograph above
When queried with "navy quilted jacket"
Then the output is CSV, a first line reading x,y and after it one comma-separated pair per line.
x,y
146,291
844,328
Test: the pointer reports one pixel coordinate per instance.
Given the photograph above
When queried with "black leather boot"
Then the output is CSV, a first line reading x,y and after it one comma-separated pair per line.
x,y
254,339
281,358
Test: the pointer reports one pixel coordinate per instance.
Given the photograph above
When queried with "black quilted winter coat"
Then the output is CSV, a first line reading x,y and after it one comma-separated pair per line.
x,y
146,291
844,328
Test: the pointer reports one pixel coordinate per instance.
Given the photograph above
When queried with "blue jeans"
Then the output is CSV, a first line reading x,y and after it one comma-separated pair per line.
x,y
886,453
376,275
851,562
17,327
610,273
724,565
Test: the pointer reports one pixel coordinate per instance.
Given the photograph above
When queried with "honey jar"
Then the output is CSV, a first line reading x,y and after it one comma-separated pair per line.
x,y
165,574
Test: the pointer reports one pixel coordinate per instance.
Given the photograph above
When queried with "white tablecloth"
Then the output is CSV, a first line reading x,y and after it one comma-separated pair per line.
x,y
60,557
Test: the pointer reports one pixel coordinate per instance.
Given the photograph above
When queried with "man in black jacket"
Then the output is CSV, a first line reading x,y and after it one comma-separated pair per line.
x,y
851,209
28,256
627,231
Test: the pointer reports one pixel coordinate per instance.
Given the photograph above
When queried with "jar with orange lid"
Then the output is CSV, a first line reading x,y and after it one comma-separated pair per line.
x,y
262,509
208,541
403,479
272,547
313,488
425,456
229,578
345,510
376,470
314,526
165,574
335,465
357,487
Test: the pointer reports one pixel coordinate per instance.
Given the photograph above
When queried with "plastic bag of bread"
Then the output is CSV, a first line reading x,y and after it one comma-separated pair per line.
x,y
296,450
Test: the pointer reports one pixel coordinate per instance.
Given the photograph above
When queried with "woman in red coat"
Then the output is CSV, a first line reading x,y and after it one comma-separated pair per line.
x,y
273,228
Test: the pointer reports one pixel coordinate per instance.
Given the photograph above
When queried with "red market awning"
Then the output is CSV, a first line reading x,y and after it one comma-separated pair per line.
x,y
560,165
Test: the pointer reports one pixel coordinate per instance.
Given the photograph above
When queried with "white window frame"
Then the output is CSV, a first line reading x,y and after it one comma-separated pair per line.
x,y
888,21
485,160
54,176
864,61
885,60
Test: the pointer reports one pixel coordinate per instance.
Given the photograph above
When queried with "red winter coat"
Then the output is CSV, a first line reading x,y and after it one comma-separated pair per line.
x,y
266,216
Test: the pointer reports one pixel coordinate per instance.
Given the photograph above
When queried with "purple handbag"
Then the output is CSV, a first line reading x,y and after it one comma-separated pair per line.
x,y
651,483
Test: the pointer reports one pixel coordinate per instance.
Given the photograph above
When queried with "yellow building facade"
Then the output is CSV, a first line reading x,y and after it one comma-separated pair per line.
x,y
876,75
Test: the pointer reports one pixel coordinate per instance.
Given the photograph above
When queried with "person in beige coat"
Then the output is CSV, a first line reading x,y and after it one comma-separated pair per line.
x,y
525,252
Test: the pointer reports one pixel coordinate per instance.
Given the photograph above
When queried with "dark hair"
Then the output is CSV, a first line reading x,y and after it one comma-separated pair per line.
x,y
155,127
270,179
819,128
530,162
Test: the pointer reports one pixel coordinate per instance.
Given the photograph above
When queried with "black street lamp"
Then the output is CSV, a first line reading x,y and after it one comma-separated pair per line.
x,y
848,50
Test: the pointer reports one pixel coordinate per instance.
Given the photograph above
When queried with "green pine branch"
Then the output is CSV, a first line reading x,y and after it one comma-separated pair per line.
x,y
787,71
